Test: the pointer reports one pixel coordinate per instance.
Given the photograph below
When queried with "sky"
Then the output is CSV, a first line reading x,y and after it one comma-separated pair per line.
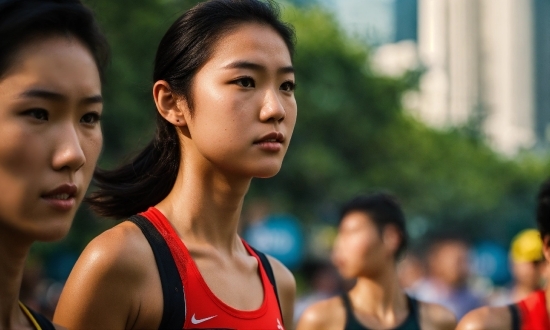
x,y
372,19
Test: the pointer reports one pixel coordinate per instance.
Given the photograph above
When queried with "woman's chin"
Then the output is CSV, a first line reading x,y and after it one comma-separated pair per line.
x,y
53,234
268,172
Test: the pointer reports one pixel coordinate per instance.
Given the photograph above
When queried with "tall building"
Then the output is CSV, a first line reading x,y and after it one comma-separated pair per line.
x,y
542,63
479,67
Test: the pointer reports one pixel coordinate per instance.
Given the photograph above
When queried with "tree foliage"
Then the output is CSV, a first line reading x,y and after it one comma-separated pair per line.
x,y
352,134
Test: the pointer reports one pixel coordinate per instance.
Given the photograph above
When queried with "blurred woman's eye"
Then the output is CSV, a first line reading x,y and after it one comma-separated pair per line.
x,y
288,86
40,114
91,118
245,82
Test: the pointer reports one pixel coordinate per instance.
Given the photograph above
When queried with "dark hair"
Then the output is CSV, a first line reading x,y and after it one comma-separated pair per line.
x,y
24,21
384,210
183,50
543,209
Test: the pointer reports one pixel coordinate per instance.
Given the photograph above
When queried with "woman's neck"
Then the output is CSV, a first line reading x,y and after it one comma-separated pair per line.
x,y
204,206
12,263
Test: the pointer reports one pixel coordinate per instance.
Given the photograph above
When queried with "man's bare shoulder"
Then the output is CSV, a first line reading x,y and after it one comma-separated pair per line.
x,y
487,318
434,316
324,315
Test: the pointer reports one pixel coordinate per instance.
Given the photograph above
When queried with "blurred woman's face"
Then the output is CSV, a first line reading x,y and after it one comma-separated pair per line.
x,y
50,137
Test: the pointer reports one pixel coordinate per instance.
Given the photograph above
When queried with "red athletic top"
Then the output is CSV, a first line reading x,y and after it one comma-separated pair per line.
x,y
203,309
533,314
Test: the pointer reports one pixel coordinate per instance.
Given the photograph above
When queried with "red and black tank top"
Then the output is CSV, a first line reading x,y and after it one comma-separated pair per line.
x,y
188,302
530,313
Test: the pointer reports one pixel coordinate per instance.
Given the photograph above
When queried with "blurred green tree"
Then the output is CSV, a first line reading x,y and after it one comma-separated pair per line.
x,y
352,134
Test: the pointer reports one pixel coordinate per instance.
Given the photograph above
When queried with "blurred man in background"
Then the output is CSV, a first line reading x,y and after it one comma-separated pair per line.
x,y
528,268
448,274
324,282
371,237
531,313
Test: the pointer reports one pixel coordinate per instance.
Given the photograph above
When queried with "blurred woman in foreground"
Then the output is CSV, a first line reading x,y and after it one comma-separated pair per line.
x,y
51,58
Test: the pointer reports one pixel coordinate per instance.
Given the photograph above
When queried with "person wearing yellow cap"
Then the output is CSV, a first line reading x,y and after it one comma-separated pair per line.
x,y
527,266
533,311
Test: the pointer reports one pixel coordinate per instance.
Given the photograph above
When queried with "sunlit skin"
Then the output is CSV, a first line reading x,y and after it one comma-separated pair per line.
x,y
243,115
528,277
363,252
499,318
50,140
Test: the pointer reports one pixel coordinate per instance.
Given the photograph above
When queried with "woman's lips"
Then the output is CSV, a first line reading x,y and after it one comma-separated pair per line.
x,y
62,197
271,142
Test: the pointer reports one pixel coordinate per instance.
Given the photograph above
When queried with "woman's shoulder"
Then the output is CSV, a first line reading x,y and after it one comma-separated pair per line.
x,y
118,248
286,289
112,276
283,276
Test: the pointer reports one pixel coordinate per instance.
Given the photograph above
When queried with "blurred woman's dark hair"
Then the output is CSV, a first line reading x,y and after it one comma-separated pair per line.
x,y
25,21
185,47
543,209
383,209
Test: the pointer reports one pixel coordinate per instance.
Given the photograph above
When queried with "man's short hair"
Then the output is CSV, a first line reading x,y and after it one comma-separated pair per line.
x,y
384,210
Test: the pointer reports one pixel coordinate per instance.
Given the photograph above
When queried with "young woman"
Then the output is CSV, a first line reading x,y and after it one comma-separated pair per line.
x,y
224,91
51,57
371,237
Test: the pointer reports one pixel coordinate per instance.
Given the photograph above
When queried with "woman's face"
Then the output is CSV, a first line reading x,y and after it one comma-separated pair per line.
x,y
50,103
244,108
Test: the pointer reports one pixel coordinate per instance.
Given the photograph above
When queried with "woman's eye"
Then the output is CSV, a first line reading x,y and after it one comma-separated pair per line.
x,y
245,82
288,86
40,114
91,118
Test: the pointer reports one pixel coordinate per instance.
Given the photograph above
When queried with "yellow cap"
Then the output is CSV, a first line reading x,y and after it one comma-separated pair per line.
x,y
526,246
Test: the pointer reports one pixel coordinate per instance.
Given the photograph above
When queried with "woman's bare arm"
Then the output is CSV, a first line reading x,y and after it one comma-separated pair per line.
x,y
112,285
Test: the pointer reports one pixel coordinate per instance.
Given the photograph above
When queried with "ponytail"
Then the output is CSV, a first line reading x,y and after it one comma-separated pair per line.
x,y
144,182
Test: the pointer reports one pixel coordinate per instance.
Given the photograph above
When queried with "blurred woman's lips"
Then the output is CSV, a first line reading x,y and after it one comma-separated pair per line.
x,y
61,198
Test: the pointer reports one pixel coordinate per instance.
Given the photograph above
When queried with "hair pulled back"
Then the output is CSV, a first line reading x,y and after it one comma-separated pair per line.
x,y
25,21
184,49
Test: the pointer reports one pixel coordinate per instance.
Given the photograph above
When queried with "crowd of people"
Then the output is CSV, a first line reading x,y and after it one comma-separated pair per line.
x,y
224,96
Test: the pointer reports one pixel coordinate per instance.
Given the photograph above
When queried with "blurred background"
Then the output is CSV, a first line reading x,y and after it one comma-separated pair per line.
x,y
444,103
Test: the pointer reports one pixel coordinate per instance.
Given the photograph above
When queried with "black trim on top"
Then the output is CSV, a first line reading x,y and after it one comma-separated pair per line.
x,y
42,321
514,313
174,310
269,272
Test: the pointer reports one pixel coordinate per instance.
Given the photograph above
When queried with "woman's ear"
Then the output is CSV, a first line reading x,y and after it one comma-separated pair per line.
x,y
169,105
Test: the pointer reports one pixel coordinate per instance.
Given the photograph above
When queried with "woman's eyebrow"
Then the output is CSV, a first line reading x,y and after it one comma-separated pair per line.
x,y
58,97
256,67
37,93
